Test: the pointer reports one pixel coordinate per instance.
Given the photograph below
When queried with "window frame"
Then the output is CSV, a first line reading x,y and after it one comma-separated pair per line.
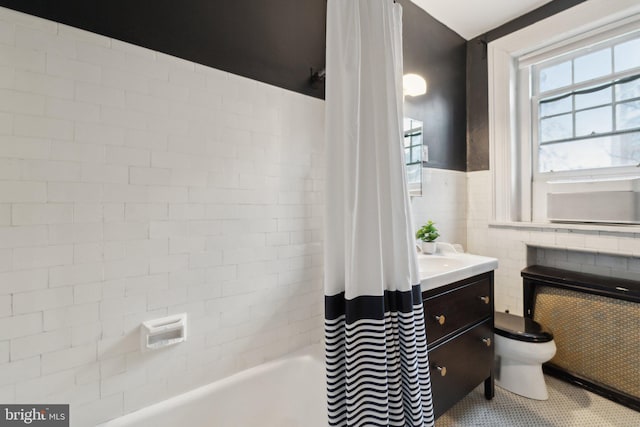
x,y
608,39
540,182
510,129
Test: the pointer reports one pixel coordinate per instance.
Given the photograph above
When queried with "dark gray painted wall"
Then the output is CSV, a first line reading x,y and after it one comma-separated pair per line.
x,y
277,42
273,41
478,81
439,55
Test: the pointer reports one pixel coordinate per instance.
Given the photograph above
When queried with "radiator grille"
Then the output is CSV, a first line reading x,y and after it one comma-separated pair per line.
x,y
597,337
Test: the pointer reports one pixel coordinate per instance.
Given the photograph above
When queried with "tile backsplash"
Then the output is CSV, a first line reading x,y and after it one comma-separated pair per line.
x,y
620,266
134,185
444,201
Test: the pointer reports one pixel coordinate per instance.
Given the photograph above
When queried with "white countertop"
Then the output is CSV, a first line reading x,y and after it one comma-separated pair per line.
x,y
448,267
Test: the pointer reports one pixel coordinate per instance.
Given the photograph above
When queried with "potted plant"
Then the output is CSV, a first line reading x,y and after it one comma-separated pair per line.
x,y
428,233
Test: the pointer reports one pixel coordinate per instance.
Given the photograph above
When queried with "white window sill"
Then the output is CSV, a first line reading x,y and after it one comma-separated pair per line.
x,y
618,229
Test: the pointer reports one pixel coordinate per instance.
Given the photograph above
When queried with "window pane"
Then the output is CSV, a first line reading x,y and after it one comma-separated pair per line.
x,y
610,151
555,128
590,122
627,55
574,133
593,99
593,65
413,173
628,115
555,107
628,90
407,155
627,149
407,141
415,153
555,76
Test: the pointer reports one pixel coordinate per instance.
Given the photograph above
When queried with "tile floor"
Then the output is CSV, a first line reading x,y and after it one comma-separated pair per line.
x,y
568,406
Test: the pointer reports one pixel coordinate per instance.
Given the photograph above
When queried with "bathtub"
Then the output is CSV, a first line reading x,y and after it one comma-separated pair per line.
x,y
287,392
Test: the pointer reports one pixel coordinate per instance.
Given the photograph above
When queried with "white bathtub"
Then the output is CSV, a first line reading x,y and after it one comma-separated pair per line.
x,y
288,392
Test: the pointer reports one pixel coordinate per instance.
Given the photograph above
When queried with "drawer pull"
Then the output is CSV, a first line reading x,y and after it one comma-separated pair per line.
x,y
487,341
440,319
485,299
442,369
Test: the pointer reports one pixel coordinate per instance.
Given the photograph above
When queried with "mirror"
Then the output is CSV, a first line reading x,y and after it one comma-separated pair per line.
x,y
413,155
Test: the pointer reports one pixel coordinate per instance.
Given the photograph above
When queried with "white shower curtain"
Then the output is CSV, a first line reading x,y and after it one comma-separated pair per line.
x,y
376,351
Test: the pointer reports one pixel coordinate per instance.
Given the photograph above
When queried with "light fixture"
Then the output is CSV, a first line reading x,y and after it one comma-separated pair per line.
x,y
413,85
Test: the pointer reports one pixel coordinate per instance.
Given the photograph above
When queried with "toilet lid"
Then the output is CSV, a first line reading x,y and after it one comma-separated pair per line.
x,y
520,328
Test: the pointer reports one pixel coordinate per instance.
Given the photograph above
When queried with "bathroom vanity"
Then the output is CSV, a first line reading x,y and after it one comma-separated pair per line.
x,y
457,293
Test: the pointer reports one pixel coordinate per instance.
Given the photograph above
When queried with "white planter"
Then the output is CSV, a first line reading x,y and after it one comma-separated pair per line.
x,y
429,247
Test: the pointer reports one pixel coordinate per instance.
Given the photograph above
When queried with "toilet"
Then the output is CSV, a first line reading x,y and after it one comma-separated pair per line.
x,y
522,345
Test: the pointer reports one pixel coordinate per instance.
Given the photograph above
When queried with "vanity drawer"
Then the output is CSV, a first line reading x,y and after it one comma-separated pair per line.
x,y
447,312
457,366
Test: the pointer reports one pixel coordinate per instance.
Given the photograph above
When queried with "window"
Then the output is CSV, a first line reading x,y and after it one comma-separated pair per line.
x,y
413,155
564,107
586,108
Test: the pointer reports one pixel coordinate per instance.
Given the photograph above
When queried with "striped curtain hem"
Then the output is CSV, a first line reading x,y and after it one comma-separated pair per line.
x,y
377,362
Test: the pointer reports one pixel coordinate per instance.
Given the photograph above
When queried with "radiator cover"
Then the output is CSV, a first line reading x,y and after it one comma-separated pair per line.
x,y
596,337
596,324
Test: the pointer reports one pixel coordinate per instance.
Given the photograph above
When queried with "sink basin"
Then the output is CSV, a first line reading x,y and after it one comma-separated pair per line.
x,y
444,268
432,264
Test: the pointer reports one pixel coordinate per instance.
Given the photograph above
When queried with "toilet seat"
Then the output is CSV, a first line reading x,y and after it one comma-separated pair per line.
x,y
520,328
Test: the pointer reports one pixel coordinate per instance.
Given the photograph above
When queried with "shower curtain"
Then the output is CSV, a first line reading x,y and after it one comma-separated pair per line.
x,y
376,350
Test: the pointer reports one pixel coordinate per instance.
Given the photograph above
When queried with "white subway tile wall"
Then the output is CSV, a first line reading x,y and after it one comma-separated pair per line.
x,y
444,201
623,267
134,185
589,251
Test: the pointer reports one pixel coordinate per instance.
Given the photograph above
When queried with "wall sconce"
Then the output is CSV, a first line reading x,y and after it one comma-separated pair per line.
x,y
413,85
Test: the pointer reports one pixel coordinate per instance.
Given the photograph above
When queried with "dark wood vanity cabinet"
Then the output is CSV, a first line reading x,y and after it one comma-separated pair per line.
x,y
459,322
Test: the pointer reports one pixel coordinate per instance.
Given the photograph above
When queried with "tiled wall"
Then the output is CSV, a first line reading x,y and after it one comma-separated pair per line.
x,y
624,267
135,185
601,251
444,201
